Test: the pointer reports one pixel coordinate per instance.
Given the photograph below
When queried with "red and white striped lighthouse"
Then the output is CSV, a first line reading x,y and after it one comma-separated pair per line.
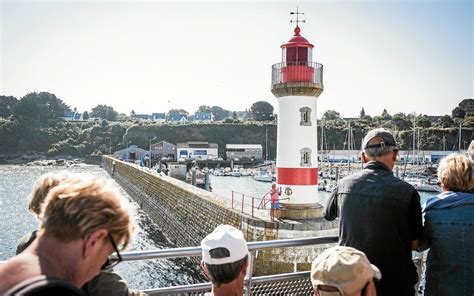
x,y
297,82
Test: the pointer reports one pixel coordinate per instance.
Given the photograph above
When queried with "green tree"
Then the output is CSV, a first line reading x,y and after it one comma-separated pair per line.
x,y
331,115
401,121
104,112
385,115
458,112
177,111
362,113
261,111
446,121
40,106
203,109
468,106
423,121
234,115
85,115
7,105
219,112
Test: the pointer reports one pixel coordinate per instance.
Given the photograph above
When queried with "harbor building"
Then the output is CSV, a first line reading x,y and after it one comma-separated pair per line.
x,y
163,149
297,82
244,151
197,150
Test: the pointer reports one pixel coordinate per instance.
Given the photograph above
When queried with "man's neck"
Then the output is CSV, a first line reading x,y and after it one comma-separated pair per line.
x,y
57,258
234,288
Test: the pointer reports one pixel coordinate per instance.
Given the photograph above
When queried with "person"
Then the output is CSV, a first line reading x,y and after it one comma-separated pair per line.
x,y
380,214
225,258
83,221
107,282
275,204
345,271
448,230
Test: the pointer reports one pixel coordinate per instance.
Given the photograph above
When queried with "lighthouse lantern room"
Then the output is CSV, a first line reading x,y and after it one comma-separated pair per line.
x,y
297,82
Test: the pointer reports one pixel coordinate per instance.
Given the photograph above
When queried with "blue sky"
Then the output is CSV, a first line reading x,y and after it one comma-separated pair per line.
x,y
404,56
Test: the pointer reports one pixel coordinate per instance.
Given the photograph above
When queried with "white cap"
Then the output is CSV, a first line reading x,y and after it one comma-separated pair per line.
x,y
224,236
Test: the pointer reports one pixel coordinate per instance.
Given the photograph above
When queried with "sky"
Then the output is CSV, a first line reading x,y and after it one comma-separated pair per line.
x,y
152,56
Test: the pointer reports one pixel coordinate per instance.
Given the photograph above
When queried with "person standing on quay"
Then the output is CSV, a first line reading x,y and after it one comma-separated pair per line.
x,y
448,230
275,204
380,215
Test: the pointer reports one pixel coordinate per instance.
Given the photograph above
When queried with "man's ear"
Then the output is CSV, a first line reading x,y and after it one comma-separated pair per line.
x,y
94,242
204,269
364,157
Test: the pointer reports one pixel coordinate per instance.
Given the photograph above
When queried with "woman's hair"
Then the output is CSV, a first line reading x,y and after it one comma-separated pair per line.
x,y
41,190
455,172
81,205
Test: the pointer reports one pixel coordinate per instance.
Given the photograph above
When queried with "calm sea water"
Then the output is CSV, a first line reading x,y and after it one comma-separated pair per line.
x,y
15,220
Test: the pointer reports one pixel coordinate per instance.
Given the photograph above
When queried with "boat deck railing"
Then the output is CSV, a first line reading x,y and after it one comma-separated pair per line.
x,y
295,283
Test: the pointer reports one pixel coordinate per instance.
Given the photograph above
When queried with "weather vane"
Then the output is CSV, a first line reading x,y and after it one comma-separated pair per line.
x,y
297,17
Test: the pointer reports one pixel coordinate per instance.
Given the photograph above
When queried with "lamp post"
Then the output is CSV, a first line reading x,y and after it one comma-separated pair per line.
x,y
150,158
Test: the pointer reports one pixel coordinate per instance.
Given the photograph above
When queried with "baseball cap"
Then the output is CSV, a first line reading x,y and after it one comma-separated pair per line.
x,y
345,268
224,236
387,139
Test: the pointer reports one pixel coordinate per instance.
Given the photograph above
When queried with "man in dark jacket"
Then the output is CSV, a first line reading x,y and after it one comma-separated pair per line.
x,y
380,215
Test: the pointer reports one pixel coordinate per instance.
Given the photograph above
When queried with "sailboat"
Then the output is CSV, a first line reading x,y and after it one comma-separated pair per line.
x,y
262,175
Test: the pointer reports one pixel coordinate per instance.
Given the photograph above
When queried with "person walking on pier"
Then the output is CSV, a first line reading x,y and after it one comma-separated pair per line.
x,y
343,271
448,230
275,203
84,220
225,258
380,214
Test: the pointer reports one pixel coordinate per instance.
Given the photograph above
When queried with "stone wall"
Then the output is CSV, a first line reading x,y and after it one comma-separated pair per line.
x,y
186,214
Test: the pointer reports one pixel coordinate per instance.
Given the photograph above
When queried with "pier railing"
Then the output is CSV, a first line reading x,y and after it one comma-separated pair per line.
x,y
249,204
297,72
281,284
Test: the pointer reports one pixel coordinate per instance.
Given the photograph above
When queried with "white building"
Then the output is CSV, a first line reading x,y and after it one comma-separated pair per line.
x,y
197,150
244,151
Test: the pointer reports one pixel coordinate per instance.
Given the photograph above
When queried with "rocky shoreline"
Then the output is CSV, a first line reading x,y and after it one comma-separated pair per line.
x,y
39,159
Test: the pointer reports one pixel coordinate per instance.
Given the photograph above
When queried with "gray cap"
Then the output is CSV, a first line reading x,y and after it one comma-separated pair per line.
x,y
386,136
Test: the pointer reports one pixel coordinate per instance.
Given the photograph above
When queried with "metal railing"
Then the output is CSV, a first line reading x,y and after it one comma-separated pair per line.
x,y
264,285
297,72
248,204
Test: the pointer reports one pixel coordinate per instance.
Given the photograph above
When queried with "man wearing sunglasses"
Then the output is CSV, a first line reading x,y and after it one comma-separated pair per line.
x,y
83,222
380,214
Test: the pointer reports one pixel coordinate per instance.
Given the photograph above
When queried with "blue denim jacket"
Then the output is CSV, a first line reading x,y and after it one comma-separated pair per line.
x,y
449,233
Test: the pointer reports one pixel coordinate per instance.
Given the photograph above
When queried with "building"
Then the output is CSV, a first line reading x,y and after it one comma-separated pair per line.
x,y
163,149
158,117
203,117
176,118
72,116
131,153
197,150
244,151
297,82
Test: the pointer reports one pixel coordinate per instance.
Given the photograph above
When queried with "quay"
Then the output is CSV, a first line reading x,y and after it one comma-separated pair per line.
x,y
186,214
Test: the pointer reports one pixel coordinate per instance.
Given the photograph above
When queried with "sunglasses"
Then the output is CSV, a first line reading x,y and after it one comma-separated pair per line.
x,y
109,264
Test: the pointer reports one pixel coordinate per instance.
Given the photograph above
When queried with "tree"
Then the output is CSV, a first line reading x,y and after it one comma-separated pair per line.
x,y
468,106
385,115
132,113
261,111
7,105
423,121
219,113
234,115
401,121
104,112
85,115
203,109
446,121
331,115
362,113
178,111
40,106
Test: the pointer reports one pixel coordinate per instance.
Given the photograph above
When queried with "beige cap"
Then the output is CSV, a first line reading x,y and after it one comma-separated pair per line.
x,y
345,268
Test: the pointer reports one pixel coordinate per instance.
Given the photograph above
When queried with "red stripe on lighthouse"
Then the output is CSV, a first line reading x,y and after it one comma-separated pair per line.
x,y
297,176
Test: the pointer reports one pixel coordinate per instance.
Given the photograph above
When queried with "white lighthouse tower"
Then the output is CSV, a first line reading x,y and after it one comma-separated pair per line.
x,y
297,82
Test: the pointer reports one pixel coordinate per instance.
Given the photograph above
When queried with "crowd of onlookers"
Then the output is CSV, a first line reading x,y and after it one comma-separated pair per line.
x,y
84,219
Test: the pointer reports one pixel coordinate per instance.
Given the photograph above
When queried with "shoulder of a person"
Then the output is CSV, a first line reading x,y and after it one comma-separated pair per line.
x,y
44,285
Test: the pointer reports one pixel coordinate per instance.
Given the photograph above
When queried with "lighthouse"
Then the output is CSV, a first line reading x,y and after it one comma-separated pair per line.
x,y
297,82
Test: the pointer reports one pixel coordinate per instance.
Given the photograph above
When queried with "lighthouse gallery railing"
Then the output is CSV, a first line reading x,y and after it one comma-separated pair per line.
x,y
297,72
282,284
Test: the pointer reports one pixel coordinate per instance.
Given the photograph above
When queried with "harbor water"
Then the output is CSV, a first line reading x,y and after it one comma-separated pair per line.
x,y
17,181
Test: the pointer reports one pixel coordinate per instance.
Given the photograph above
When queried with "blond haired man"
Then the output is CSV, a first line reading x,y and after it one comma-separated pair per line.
x,y
84,220
343,271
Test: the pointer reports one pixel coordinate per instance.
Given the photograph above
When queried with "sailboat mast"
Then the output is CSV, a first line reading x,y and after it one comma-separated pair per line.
x,y
460,136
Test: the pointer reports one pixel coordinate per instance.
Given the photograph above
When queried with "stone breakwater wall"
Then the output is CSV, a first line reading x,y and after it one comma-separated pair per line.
x,y
186,214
